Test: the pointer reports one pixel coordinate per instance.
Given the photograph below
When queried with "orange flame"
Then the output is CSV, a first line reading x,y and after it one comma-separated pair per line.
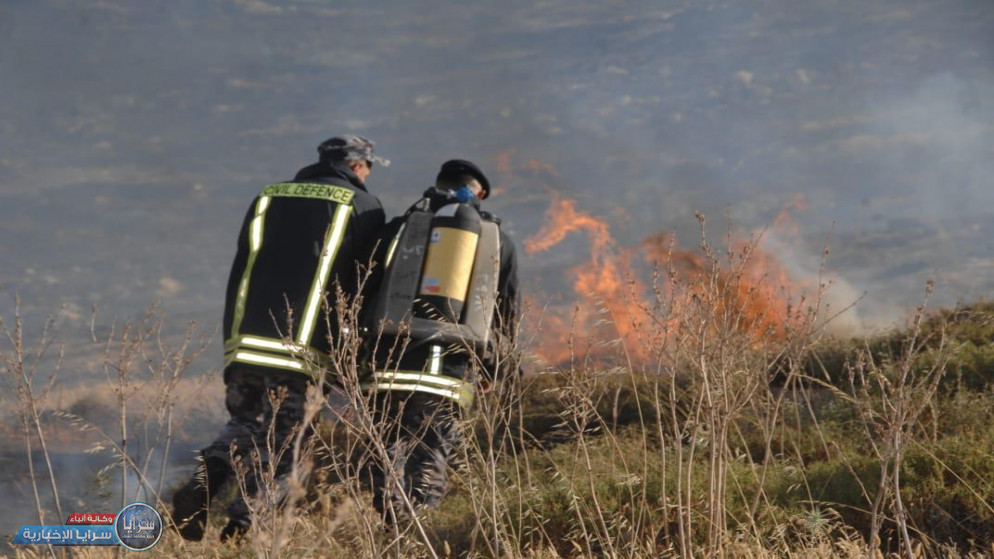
x,y
605,281
784,220
752,288
562,218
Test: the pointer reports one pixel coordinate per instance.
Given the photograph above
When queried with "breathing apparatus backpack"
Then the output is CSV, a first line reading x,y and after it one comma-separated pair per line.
x,y
441,271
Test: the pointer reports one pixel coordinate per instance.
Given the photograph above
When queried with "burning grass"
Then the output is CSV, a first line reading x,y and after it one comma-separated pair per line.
x,y
633,293
700,411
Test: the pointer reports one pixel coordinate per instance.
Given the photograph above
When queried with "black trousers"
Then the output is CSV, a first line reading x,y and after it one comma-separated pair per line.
x,y
420,435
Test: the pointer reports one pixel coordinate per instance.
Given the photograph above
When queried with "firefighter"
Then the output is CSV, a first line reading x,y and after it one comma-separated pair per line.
x,y
421,387
300,240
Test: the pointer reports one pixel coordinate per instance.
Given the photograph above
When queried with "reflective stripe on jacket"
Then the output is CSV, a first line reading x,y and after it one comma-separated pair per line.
x,y
300,241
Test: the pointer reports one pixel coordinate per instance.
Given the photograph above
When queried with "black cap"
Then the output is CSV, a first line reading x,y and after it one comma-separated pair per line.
x,y
453,168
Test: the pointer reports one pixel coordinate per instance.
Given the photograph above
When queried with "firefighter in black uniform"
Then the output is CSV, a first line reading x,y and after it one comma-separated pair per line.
x,y
420,388
300,241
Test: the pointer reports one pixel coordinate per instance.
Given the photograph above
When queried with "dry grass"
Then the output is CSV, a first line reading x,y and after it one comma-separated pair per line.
x,y
711,446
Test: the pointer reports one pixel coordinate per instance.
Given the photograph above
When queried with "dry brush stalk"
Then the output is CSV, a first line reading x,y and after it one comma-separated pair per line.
x,y
21,366
890,398
715,356
144,372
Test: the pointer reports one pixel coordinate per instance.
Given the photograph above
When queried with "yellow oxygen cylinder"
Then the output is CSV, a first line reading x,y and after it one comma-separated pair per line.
x,y
448,268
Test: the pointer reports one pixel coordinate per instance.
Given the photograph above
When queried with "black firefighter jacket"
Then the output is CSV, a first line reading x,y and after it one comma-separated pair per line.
x,y
300,241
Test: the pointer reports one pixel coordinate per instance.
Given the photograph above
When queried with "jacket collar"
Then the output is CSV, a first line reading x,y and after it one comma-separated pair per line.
x,y
331,172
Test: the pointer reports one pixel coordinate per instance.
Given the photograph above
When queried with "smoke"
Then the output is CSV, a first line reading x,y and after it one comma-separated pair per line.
x,y
85,466
135,136
943,163
841,299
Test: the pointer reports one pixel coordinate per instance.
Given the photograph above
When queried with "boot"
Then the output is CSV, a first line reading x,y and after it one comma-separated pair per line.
x,y
240,518
190,502
235,529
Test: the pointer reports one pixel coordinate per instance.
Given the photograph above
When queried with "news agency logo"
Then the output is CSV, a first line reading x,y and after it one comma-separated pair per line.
x,y
138,526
